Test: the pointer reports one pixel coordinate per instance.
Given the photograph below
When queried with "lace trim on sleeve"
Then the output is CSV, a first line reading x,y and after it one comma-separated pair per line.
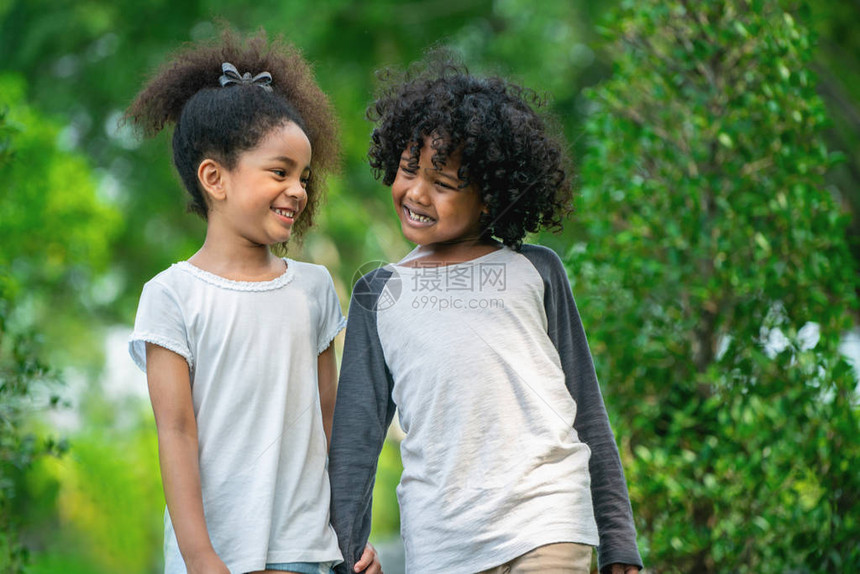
x,y
137,348
327,341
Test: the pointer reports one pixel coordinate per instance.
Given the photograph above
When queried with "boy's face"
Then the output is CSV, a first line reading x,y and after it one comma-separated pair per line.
x,y
433,208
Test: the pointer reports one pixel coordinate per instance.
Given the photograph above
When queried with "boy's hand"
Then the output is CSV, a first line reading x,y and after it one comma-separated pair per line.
x,y
369,562
621,569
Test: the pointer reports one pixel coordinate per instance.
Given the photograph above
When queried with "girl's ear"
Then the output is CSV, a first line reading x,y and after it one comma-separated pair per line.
x,y
211,174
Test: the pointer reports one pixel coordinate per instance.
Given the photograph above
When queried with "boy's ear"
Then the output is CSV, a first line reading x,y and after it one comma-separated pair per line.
x,y
211,174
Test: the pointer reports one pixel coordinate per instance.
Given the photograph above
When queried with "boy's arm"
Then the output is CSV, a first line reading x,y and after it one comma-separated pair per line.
x,y
363,412
608,487
327,381
170,393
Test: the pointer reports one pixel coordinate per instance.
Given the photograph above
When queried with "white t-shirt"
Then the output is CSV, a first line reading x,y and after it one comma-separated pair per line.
x,y
508,443
492,465
251,349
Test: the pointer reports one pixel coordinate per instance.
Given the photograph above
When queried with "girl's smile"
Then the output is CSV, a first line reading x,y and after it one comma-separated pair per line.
x,y
288,216
265,193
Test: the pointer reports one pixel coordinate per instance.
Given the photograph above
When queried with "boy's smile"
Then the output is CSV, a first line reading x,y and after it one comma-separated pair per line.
x,y
434,209
417,218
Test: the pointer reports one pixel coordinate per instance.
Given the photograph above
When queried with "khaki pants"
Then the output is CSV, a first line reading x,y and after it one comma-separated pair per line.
x,y
561,558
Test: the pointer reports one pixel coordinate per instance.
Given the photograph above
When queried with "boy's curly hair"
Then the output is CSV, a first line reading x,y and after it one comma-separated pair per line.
x,y
223,122
514,155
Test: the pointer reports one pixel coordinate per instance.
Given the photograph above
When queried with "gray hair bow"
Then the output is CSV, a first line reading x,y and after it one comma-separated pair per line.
x,y
231,76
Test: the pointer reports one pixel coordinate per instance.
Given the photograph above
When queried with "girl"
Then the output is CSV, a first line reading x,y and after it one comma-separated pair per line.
x,y
236,341
509,462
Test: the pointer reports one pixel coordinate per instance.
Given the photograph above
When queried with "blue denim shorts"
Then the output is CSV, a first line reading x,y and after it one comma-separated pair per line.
x,y
303,567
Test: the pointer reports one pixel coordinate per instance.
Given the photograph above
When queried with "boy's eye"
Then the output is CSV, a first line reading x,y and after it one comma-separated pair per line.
x,y
280,172
304,180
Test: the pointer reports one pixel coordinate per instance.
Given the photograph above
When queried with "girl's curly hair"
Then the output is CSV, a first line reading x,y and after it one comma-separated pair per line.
x,y
223,122
512,153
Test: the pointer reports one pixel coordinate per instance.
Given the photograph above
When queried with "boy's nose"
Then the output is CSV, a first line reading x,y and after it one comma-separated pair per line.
x,y
417,192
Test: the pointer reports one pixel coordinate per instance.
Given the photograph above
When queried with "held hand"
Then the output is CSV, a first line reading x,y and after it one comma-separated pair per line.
x,y
369,562
621,569
208,563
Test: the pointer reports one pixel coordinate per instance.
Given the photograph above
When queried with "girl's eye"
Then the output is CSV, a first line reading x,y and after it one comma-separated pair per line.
x,y
444,185
406,169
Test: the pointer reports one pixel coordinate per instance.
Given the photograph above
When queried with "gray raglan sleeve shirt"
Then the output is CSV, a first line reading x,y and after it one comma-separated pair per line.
x,y
365,409
608,487
363,412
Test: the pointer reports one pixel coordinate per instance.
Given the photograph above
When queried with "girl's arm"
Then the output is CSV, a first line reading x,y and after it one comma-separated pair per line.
x,y
327,379
170,394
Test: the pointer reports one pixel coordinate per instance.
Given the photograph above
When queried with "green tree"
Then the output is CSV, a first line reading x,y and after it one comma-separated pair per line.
x,y
18,368
54,233
715,283
837,65
21,371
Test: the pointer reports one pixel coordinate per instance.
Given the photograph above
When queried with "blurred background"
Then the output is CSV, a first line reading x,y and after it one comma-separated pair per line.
x,y
713,254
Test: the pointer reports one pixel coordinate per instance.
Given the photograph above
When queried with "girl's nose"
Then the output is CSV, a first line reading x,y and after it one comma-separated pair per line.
x,y
296,190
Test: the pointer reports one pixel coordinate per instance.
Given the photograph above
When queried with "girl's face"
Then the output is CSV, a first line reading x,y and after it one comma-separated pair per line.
x,y
432,207
266,191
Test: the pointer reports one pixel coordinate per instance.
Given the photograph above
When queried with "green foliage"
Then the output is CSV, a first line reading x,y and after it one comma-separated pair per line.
x,y
57,230
46,189
715,283
838,68
107,495
22,372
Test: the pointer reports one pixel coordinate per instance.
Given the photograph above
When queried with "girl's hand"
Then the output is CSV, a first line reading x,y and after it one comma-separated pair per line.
x,y
208,563
369,562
